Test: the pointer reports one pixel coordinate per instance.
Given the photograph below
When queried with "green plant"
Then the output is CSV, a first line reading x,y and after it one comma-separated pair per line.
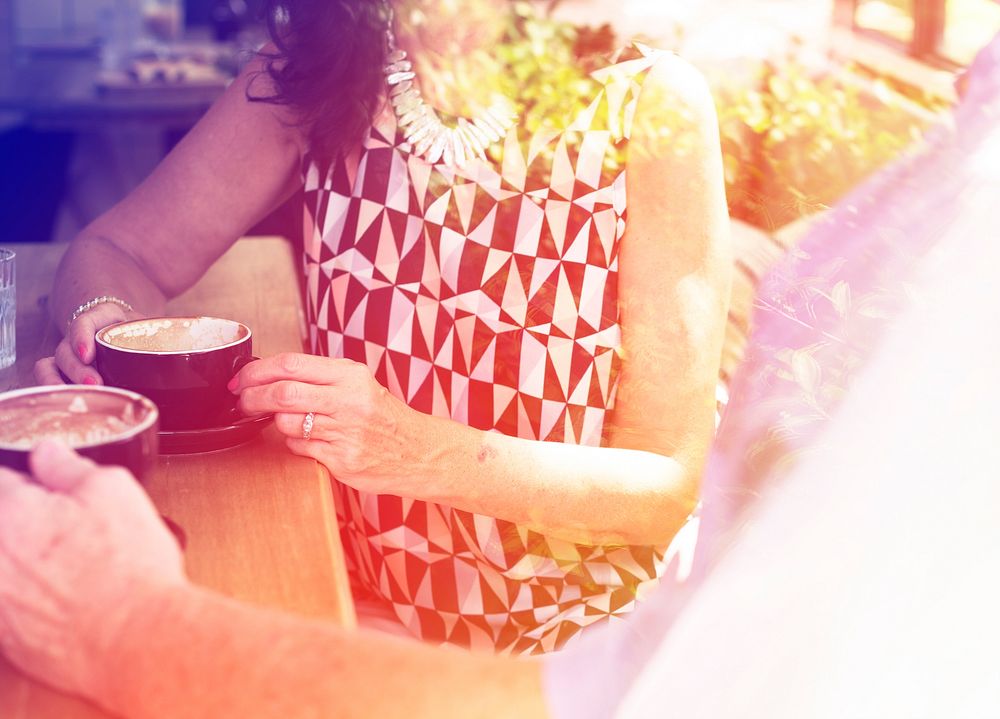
x,y
548,64
796,142
793,142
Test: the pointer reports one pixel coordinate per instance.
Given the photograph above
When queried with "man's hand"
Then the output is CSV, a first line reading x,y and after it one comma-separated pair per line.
x,y
81,546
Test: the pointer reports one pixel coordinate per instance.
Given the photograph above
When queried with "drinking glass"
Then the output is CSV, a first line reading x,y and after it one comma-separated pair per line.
x,y
8,306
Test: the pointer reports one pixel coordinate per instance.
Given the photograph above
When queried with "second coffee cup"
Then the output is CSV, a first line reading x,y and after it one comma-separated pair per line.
x,y
183,364
107,424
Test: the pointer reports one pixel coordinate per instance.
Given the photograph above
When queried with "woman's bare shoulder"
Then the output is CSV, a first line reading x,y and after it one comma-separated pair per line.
x,y
675,99
675,116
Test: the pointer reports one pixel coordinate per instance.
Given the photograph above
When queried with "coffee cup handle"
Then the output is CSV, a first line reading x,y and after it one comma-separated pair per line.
x,y
238,364
241,362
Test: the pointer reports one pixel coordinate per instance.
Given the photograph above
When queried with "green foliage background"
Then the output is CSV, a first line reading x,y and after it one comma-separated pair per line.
x,y
793,142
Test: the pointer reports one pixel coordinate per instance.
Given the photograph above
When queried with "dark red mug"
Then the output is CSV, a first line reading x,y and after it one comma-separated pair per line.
x,y
107,424
183,364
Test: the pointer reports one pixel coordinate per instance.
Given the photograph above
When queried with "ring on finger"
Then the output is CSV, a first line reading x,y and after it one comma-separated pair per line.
x,y
307,424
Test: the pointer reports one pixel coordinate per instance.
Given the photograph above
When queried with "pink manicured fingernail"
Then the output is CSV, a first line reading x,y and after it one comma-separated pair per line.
x,y
89,380
233,384
81,351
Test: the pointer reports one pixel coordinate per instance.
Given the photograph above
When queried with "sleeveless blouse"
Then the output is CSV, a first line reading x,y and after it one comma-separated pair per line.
x,y
485,294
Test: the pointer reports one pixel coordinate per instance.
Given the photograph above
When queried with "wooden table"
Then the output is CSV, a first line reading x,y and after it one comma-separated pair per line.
x,y
260,522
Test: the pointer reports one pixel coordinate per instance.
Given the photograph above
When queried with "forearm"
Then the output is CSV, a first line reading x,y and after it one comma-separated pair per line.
x,y
94,266
592,495
191,653
160,238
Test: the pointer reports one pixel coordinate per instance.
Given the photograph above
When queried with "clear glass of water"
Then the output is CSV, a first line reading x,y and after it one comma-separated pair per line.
x,y
7,308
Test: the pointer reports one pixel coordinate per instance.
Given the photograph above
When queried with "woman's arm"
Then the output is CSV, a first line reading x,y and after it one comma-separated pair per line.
x,y
369,439
232,168
675,271
673,289
673,293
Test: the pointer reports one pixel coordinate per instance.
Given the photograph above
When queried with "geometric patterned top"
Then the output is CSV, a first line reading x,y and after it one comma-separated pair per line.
x,y
486,294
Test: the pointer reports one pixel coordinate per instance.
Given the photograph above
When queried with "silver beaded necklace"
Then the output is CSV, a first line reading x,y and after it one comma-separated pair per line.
x,y
453,144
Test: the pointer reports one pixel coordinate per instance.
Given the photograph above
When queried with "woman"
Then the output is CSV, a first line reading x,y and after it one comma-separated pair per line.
x,y
513,388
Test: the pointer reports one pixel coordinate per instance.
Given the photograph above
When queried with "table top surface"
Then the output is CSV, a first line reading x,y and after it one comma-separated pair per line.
x,y
260,523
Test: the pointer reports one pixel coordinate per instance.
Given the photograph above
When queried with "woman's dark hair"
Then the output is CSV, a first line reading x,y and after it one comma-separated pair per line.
x,y
327,67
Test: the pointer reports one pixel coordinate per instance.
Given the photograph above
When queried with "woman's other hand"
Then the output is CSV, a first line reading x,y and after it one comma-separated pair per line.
x,y
365,436
81,548
74,355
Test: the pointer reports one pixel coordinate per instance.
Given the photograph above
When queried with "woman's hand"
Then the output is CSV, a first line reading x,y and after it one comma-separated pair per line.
x,y
81,549
75,354
366,437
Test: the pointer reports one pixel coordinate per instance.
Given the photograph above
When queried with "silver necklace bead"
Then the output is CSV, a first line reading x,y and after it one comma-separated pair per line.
x,y
430,138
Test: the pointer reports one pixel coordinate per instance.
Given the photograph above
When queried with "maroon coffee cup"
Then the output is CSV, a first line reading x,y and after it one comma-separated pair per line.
x,y
183,364
109,425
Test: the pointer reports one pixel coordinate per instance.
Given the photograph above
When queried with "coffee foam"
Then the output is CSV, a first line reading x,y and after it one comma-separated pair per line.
x,y
78,418
179,334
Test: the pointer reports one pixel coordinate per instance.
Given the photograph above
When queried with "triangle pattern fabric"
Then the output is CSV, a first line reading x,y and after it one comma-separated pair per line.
x,y
487,295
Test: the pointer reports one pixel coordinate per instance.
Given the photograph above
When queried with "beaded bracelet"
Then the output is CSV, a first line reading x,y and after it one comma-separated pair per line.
x,y
91,304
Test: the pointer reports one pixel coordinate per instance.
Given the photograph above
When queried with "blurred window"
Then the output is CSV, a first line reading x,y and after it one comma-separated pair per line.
x,y
969,26
946,33
892,18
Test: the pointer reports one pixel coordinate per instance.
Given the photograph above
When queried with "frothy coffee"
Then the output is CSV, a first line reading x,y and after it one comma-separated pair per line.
x,y
79,418
173,334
